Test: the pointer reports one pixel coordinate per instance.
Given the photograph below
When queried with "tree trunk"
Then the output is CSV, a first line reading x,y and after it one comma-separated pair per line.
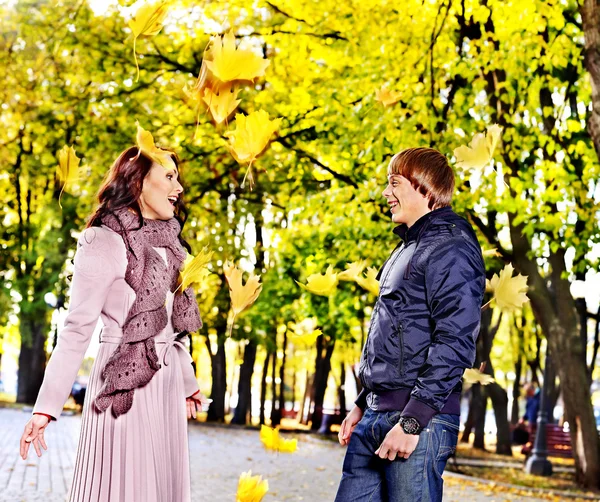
x,y
342,389
499,399
216,411
263,387
243,410
275,410
32,358
515,415
480,405
322,369
282,377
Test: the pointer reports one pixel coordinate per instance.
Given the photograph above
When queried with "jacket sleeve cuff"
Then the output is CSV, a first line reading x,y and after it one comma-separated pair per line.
x,y
419,410
361,400
50,417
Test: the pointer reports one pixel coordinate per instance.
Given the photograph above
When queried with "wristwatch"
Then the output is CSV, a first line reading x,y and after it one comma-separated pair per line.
x,y
410,425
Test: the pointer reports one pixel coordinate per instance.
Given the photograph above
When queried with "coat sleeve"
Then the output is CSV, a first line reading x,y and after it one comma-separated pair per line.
x,y
455,284
190,382
94,273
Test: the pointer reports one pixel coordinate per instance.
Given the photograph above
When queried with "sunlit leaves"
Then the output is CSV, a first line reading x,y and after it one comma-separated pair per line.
x,y
369,281
353,271
509,292
147,22
322,284
474,376
305,332
387,97
251,488
221,102
480,151
271,440
195,271
145,143
67,171
228,63
242,295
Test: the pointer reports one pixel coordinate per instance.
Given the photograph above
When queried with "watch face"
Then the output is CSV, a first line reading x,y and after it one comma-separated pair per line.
x,y
410,425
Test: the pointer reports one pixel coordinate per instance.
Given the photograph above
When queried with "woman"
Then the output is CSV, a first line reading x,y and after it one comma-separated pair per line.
x,y
133,444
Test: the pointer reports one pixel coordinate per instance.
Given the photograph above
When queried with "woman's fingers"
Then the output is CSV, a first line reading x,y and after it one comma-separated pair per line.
x,y
26,440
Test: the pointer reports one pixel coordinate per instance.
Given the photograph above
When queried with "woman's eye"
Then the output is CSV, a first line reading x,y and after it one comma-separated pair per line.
x,y
170,176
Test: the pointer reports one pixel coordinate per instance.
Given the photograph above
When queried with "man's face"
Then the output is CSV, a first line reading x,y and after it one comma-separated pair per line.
x,y
407,205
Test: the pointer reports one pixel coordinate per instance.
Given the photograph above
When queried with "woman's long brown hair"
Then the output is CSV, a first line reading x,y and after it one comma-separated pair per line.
x,y
122,187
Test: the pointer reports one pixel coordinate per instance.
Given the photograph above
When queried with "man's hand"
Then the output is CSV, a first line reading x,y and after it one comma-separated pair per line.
x,y
349,424
397,443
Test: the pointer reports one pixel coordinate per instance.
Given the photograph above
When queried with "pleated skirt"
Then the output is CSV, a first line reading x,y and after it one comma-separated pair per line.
x,y
142,455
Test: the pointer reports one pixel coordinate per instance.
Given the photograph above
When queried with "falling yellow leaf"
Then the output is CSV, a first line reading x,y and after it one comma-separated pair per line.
x,y
474,376
251,488
251,136
480,151
242,296
322,285
145,143
509,292
228,63
222,101
304,332
271,440
194,270
489,253
387,97
67,170
147,22
353,271
370,282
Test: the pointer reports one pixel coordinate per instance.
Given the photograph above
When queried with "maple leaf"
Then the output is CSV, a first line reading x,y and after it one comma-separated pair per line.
x,y
489,253
251,488
271,440
147,22
222,101
387,97
474,376
227,63
369,282
145,143
194,270
352,272
480,151
509,291
67,170
322,285
242,295
251,136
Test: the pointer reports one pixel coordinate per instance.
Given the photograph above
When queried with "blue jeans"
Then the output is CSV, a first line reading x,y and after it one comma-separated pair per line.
x,y
366,477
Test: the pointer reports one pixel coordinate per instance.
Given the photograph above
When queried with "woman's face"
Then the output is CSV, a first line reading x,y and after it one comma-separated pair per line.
x,y
160,192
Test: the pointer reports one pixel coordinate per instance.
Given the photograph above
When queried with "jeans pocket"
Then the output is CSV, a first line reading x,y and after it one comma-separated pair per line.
x,y
392,417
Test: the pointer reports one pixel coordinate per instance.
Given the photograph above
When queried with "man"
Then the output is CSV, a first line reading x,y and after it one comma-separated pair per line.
x,y
421,338
532,405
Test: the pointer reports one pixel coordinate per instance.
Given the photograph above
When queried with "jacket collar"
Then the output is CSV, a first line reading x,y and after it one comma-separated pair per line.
x,y
413,233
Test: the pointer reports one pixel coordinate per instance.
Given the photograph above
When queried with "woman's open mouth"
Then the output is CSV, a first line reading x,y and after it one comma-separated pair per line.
x,y
173,200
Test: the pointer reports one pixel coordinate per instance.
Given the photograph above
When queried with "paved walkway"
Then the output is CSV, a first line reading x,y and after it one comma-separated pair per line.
x,y
218,456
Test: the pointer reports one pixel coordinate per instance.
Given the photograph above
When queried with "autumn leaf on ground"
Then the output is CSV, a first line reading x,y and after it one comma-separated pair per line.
x,y
67,170
271,440
228,63
242,295
474,376
322,285
145,143
222,101
369,282
387,97
194,270
480,151
509,292
250,137
147,22
251,488
353,271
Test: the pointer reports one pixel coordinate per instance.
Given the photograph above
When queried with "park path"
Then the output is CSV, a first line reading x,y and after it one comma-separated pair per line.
x,y
218,456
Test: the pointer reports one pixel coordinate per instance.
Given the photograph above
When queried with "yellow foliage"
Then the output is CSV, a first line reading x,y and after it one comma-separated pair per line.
x,y
195,270
242,296
67,170
509,292
353,271
369,282
147,22
221,102
480,151
387,97
474,376
251,488
322,285
145,143
228,63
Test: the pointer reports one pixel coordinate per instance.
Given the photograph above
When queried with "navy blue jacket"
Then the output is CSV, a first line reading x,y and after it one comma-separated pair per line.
x,y
426,320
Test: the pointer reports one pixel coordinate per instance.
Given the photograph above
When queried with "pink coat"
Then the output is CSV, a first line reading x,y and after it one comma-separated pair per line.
x,y
142,455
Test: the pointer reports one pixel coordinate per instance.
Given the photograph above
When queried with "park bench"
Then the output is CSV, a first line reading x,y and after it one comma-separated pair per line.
x,y
558,442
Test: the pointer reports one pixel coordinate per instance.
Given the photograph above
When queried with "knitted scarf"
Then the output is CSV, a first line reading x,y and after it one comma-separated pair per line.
x,y
134,362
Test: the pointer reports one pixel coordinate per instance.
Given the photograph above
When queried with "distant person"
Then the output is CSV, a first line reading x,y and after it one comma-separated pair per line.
x,y
532,405
421,338
133,445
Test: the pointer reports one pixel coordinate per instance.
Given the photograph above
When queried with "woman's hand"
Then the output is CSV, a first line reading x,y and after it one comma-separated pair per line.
x,y
34,433
196,401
